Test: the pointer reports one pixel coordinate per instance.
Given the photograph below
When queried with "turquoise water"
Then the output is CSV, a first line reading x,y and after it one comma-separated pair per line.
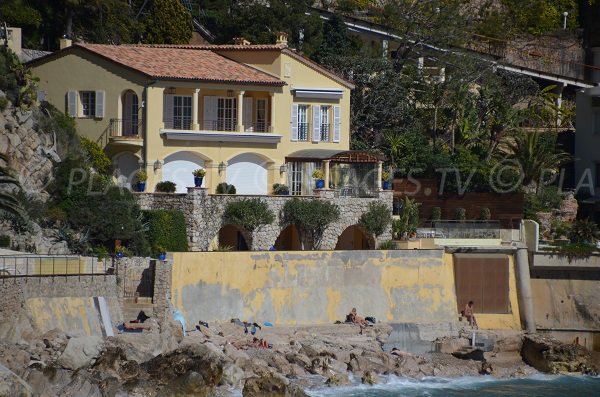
x,y
536,386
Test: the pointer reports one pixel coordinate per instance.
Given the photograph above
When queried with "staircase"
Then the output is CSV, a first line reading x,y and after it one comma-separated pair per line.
x,y
131,308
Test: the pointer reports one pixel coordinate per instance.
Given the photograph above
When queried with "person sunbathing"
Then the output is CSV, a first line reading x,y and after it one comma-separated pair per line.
x,y
353,317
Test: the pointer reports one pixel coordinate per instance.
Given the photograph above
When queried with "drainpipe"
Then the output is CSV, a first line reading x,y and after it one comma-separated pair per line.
x,y
524,292
145,123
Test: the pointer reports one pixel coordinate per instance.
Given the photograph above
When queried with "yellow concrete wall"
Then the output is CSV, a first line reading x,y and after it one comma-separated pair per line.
x,y
509,320
314,287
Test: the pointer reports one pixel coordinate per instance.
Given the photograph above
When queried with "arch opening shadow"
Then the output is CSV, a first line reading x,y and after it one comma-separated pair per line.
x,y
355,238
288,239
233,237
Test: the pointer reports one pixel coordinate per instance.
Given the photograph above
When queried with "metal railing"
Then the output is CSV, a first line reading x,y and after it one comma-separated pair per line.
x,y
229,125
460,230
12,266
131,128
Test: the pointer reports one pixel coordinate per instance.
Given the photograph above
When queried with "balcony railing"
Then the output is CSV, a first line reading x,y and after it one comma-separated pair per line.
x,y
460,229
303,131
325,132
129,128
217,125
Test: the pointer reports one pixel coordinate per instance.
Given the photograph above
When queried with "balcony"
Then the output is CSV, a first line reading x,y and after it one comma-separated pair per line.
x,y
225,130
127,132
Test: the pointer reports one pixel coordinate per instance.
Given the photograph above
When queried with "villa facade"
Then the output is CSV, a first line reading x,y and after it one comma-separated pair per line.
x,y
250,115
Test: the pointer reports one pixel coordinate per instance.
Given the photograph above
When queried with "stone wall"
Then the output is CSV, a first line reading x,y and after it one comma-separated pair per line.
x,y
204,215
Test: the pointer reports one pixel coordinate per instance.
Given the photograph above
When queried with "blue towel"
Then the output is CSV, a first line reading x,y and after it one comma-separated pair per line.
x,y
268,324
177,316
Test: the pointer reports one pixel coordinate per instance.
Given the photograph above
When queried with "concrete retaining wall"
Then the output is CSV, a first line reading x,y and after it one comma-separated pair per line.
x,y
39,304
314,287
204,215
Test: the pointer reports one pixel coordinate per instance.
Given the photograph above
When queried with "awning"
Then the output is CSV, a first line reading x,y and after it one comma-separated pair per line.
x,y
318,93
337,156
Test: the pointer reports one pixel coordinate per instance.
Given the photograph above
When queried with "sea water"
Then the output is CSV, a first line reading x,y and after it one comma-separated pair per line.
x,y
534,386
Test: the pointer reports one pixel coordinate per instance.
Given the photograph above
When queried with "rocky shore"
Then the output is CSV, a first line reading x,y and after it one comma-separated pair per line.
x,y
222,360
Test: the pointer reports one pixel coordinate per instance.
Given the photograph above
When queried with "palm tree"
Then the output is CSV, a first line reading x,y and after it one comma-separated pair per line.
x,y
8,202
536,157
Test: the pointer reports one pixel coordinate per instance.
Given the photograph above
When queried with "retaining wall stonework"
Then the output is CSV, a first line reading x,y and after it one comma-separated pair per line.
x,y
204,215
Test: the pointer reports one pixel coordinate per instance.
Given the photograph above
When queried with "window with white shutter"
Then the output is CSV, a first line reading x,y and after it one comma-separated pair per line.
x,y
337,123
316,117
209,121
294,122
99,111
168,110
72,103
88,103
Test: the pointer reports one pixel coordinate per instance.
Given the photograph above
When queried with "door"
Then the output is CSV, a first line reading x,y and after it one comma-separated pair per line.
x,y
248,173
178,168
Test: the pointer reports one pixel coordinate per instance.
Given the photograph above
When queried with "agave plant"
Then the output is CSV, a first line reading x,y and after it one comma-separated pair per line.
x,y
584,231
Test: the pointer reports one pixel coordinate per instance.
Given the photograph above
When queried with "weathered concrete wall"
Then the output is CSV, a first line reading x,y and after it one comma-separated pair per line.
x,y
39,304
556,261
204,215
318,287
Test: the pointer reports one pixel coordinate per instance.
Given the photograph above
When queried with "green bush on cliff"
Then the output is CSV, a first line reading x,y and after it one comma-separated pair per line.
x,y
249,214
376,220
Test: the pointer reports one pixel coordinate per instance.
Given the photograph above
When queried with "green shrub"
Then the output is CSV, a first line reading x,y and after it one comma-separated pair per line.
x,y
311,217
166,230
5,241
249,214
584,231
279,189
485,214
3,103
460,214
225,188
166,187
95,155
387,245
408,221
376,219
436,214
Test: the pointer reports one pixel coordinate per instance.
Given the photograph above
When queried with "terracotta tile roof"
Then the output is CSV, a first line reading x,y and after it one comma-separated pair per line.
x,y
182,62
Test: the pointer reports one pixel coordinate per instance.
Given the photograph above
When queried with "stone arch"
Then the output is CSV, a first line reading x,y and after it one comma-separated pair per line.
x,y
355,237
126,165
178,168
233,236
288,239
248,172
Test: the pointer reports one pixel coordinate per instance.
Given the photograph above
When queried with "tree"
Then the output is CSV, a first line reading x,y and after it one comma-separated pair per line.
x,y
250,214
336,40
376,219
311,217
408,221
166,22
537,157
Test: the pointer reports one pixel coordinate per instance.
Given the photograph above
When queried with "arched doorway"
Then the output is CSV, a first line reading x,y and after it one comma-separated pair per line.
x,y
231,236
178,168
130,113
126,166
248,173
354,238
288,239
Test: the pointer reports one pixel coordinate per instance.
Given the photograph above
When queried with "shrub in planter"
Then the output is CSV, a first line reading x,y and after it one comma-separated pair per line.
x,y
166,187
198,176
225,188
141,177
318,175
406,225
280,189
387,245
460,214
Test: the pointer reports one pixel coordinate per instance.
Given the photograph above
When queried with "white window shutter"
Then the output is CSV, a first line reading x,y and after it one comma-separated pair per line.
x,y
337,123
210,113
316,113
168,110
294,123
99,111
247,114
72,103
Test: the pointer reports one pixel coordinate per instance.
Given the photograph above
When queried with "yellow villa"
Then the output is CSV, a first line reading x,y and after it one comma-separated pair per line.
x,y
249,115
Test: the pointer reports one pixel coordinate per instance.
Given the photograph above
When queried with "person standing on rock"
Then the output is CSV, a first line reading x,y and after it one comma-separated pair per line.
x,y
469,314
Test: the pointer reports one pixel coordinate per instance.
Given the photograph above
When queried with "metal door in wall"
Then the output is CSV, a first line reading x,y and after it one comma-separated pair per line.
x,y
138,282
482,278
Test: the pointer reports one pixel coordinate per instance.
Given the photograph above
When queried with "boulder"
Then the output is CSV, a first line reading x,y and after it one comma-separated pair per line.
x,y
232,375
369,378
271,386
12,385
337,380
80,352
550,355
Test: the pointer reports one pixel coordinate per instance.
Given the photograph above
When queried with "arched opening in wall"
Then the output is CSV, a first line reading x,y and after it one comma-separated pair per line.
x,y
126,166
178,168
130,123
231,238
355,238
248,173
288,239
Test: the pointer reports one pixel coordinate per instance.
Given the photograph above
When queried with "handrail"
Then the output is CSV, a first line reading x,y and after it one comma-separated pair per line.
x,y
14,266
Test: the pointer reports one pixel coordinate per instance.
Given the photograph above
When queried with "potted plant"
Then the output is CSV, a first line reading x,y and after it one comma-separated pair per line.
x,y
120,251
198,176
385,177
161,252
318,175
141,178
280,189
